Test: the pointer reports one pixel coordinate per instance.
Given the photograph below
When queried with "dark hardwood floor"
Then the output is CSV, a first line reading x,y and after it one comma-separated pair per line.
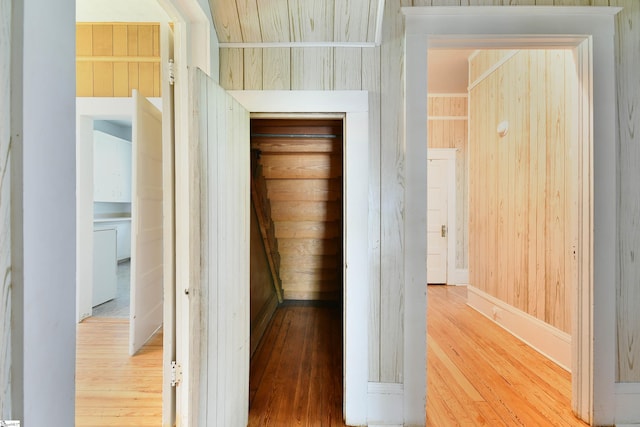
x,y
296,371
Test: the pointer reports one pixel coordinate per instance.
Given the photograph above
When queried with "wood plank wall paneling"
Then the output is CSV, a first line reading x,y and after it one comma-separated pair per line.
x,y
447,117
278,72
527,189
628,291
5,210
115,58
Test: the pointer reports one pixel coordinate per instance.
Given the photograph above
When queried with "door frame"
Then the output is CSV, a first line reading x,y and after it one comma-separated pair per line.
x,y
454,276
355,107
593,366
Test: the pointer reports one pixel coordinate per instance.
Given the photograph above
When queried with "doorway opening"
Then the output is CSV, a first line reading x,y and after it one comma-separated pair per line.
x,y
593,367
296,268
522,154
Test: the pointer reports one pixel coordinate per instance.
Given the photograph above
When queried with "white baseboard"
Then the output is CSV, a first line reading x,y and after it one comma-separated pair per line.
x,y
385,404
627,407
551,342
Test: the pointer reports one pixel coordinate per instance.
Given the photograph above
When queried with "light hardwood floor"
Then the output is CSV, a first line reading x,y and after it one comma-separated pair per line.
x,y
478,374
113,388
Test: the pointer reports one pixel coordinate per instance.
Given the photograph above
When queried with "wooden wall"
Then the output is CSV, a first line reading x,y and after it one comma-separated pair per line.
x,y
447,115
262,292
380,71
112,59
523,194
5,210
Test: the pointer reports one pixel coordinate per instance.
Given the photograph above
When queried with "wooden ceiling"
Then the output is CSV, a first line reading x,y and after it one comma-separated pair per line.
x,y
254,23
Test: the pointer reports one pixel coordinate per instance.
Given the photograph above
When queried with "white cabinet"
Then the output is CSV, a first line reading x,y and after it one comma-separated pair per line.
x,y
123,235
111,168
105,276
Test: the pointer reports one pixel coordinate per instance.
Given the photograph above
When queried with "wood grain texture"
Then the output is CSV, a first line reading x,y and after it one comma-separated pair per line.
x,y
232,69
347,68
371,83
226,20
313,68
112,59
479,374
391,194
112,388
296,372
525,197
274,21
5,210
276,68
351,24
252,69
311,21
628,291
249,20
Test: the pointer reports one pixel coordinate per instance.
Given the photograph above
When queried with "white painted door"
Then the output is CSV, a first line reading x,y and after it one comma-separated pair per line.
x,y
213,317
146,223
437,227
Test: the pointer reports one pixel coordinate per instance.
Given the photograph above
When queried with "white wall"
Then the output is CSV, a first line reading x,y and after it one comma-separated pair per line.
x,y
43,211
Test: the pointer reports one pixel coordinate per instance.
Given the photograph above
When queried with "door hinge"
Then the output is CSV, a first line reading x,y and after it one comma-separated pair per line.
x,y
176,374
443,231
171,72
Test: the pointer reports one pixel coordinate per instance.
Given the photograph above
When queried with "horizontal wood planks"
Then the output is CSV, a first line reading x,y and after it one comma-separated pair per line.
x,y
113,388
300,162
112,59
522,224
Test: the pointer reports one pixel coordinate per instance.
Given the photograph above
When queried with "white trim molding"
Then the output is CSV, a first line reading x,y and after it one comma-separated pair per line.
x,y
586,29
627,408
542,337
385,401
355,107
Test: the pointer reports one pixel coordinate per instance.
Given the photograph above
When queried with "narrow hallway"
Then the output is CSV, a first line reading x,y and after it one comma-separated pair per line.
x,y
296,371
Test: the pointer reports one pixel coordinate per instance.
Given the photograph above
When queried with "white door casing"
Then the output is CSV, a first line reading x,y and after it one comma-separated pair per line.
x,y
437,221
145,317
355,106
593,367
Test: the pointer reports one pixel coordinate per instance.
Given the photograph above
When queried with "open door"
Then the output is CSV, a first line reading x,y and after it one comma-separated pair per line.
x,y
145,316
213,270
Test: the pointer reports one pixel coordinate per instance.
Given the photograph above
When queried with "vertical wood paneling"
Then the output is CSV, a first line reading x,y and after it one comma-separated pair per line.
x,y
528,234
276,66
103,77
249,20
350,22
311,21
392,190
628,291
253,69
226,20
232,69
312,68
274,21
347,68
5,210
371,83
